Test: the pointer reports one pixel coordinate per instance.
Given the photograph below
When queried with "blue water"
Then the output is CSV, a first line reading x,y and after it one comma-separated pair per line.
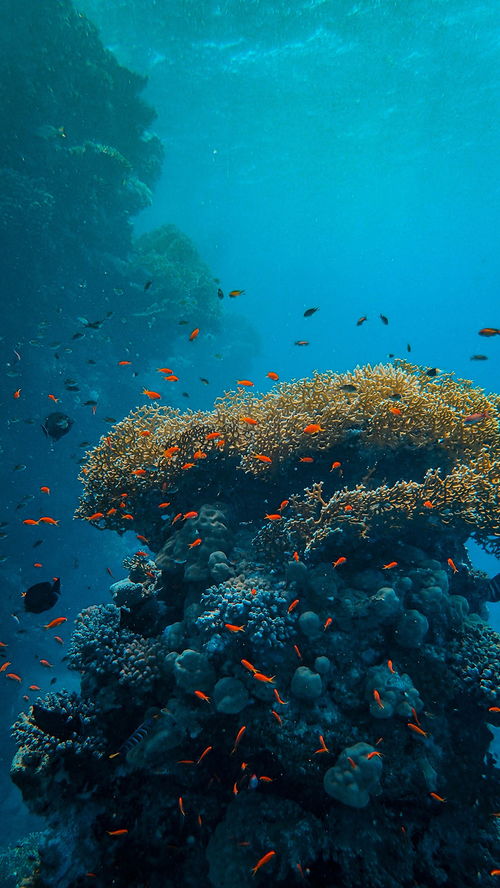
x,y
340,155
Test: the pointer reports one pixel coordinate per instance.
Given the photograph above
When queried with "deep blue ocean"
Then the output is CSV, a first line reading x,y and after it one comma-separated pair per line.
x,y
341,155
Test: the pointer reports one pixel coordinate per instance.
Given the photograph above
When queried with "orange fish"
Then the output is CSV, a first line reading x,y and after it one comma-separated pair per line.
x,y
291,607
5,665
188,465
312,429
169,452
283,504
238,737
13,676
428,504
96,516
276,694
190,515
153,395
295,556
164,370
233,628
395,411
212,436
163,505
144,434
37,564
297,651
34,688
265,678
53,398
47,520
17,394
199,454
194,333
390,565
204,753
374,753
196,542
452,564
306,459
323,747
30,521
351,762
117,832
272,375
437,797
46,663
249,420
377,698
390,666
328,622
495,872
263,860
177,517
335,465
493,708
171,378
202,696
124,363
58,639
248,666
348,508
262,457
473,418
489,331
235,293
273,517
112,511
181,806
244,382
339,561
45,489
128,517
416,729
56,622
277,716
139,472
361,320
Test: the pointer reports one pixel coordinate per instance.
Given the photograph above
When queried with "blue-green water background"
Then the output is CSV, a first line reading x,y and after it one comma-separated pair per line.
x,y
335,154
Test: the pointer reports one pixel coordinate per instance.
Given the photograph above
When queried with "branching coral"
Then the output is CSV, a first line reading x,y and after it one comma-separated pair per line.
x,y
451,464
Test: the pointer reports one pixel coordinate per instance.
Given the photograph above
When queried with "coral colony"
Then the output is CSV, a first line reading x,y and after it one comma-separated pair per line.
x,y
295,682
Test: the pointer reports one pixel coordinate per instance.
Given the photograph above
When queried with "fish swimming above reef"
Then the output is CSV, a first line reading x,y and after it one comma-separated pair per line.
x,y
56,425
42,596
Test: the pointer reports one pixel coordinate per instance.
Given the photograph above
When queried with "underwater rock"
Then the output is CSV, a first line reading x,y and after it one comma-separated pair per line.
x,y
193,672
350,784
411,629
230,696
306,685
211,528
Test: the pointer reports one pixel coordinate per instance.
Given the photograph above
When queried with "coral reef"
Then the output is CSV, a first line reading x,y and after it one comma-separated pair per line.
x,y
250,712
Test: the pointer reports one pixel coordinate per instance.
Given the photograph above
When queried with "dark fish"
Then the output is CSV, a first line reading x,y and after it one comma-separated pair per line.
x,y
90,361
489,331
147,285
479,357
408,348
93,325
361,320
20,467
348,387
78,335
384,319
390,355
204,380
55,425
432,371
72,388
109,419
395,396
494,589
42,596
309,312
84,444
301,342
56,724
139,734
90,403
182,323
36,544
220,294
185,394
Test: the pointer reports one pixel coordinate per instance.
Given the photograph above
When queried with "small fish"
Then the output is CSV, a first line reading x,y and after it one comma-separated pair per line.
x,y
13,676
124,363
428,504
377,698
395,411
395,396
339,561
361,320
220,294
117,832
190,515
238,737
195,543
34,688
432,372
452,564
46,664
416,729
248,666
202,696
408,347
244,382
390,667
384,319
374,753
328,622
199,454
45,489
273,517
390,565
478,358
489,331
17,394
204,753
233,628
235,293
5,665
272,375
335,465
154,396
30,521
323,747
204,380
57,622
348,387
262,457
276,694
147,285
262,861
47,520
301,342
474,418
249,420
277,717
437,797
264,678
181,806
313,428
194,333
310,311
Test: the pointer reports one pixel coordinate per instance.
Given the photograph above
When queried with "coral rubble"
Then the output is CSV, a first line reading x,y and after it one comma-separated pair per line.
x,y
283,689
